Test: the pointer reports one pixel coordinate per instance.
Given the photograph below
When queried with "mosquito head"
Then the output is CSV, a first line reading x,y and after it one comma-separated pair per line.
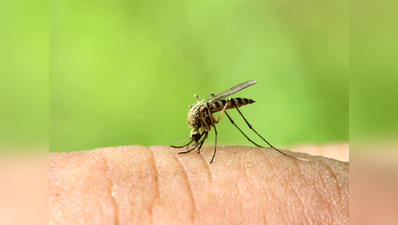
x,y
195,135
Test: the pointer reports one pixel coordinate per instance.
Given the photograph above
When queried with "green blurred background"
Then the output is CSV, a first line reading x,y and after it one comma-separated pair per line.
x,y
124,72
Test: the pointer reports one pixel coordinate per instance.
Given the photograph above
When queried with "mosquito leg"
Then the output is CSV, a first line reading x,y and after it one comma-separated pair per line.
x,y
203,119
241,131
182,145
215,145
189,150
250,126
223,110
211,115
200,146
202,141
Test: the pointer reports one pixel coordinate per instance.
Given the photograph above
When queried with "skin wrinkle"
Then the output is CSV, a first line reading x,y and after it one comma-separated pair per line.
x,y
322,194
189,188
290,188
302,204
337,181
331,172
156,183
237,189
97,199
223,162
338,185
122,156
112,194
273,172
258,183
208,168
266,160
265,196
300,175
245,174
84,212
285,189
149,208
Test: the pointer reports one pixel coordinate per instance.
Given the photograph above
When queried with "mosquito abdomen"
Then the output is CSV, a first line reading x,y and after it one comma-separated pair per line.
x,y
236,103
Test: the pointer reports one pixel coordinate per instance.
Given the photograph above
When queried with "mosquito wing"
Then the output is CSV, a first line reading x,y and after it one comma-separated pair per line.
x,y
232,90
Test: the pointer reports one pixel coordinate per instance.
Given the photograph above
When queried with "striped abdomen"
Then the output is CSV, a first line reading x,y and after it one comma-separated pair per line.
x,y
235,103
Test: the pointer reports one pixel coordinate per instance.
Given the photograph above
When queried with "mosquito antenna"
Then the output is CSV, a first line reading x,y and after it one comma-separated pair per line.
x,y
171,142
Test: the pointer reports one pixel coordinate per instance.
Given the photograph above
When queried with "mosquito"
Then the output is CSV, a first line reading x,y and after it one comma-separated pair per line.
x,y
201,118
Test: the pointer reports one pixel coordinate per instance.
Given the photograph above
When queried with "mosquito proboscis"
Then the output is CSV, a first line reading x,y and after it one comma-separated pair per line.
x,y
201,118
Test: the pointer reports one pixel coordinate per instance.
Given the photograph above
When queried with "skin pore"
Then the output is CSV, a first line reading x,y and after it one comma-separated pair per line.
x,y
155,185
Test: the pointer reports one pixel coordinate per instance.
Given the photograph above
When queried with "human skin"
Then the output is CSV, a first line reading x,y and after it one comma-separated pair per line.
x,y
244,185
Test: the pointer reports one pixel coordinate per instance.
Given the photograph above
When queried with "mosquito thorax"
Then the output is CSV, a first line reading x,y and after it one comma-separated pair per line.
x,y
192,117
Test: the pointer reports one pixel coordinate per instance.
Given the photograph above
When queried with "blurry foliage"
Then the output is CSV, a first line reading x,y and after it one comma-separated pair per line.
x,y
124,72
23,74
